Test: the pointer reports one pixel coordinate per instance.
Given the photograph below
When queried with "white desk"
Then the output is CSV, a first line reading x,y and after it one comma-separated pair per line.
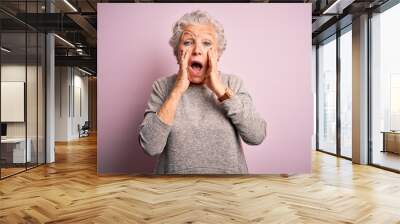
x,y
391,141
18,149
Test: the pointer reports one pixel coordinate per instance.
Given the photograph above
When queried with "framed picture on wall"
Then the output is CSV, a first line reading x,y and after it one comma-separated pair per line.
x,y
12,101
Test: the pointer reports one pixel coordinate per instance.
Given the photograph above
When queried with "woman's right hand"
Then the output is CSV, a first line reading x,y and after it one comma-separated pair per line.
x,y
182,80
168,109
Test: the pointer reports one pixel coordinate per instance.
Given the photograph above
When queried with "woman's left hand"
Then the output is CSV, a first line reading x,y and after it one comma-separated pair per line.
x,y
213,79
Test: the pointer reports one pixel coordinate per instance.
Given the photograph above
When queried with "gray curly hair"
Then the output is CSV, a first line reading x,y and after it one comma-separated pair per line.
x,y
197,17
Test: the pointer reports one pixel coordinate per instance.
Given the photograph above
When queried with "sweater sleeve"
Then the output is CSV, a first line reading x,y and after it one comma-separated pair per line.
x,y
153,132
241,111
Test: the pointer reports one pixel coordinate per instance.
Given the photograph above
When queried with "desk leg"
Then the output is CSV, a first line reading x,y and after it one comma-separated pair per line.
x,y
384,143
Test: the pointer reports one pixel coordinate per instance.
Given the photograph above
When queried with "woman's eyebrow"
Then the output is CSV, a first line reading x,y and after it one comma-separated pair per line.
x,y
187,33
187,37
204,36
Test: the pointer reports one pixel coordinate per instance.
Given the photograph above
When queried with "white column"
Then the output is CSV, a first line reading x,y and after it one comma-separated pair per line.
x,y
50,100
360,89
50,93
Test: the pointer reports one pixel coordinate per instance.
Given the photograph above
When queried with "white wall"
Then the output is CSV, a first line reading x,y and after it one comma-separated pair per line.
x,y
70,83
62,81
79,117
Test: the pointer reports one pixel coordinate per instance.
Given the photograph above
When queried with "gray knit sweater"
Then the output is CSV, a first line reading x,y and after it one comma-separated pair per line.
x,y
205,135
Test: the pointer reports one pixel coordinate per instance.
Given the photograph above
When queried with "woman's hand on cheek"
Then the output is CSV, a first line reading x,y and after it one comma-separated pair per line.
x,y
213,80
182,80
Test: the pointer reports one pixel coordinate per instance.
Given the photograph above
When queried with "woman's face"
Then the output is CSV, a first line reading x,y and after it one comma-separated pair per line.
x,y
199,37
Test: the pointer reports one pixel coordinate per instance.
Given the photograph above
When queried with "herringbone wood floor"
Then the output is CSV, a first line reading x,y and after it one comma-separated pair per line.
x,y
70,191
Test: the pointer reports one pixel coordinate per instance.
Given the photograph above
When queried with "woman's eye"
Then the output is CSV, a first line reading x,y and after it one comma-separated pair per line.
x,y
187,43
207,44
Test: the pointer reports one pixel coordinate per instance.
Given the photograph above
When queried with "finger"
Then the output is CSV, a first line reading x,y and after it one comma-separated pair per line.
x,y
209,57
189,52
212,58
181,57
186,57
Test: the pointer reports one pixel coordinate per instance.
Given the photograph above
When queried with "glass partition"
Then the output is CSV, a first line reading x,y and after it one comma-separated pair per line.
x,y
32,95
22,77
327,95
13,95
41,88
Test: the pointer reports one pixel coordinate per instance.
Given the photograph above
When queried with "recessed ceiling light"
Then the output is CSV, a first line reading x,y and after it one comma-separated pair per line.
x,y
5,50
70,5
84,71
64,40
337,7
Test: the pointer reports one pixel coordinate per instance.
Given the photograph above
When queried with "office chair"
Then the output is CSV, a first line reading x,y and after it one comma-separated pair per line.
x,y
84,130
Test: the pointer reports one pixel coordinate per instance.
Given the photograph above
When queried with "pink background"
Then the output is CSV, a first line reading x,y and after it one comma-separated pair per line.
x,y
269,47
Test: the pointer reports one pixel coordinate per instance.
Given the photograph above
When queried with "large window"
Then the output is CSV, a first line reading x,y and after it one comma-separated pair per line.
x,y
346,92
385,88
334,58
327,95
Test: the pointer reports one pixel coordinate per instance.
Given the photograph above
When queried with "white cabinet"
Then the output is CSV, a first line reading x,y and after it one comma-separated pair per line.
x,y
17,145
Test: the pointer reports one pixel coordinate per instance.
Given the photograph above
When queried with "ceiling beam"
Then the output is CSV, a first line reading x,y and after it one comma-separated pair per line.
x,y
85,61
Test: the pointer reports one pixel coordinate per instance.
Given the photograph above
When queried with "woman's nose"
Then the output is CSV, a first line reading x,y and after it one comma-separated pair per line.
x,y
198,50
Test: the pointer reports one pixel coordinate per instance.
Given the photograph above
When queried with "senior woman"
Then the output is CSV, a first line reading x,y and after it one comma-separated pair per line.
x,y
195,118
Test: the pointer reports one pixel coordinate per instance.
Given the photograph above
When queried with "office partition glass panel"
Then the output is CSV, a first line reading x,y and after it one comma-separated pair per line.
x,y
14,153
22,88
32,83
327,96
346,93
32,96
385,88
41,79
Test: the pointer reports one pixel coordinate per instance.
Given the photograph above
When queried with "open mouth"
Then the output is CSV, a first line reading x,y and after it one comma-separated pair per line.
x,y
196,67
